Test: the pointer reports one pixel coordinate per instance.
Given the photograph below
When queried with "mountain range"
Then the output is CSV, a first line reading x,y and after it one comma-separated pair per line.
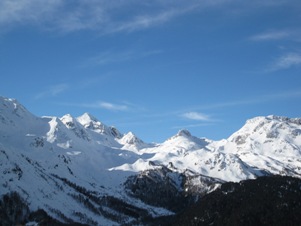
x,y
79,170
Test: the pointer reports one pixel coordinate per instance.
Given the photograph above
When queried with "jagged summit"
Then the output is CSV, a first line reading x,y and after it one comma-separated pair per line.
x,y
68,120
186,140
91,122
184,132
12,108
131,142
131,138
87,117
267,128
5,102
88,120
265,119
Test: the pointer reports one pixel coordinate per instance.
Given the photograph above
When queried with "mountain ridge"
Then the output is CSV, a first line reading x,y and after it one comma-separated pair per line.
x,y
81,169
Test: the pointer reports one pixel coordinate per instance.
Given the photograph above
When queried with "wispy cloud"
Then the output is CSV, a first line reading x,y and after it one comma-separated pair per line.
x,y
101,105
103,16
271,35
206,119
52,91
280,96
142,21
109,57
108,17
53,14
280,34
286,61
196,116
113,107
192,125
27,12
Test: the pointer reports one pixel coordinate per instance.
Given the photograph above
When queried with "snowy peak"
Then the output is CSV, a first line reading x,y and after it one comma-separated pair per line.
x,y
88,121
17,121
72,124
271,143
68,120
185,140
261,122
184,133
264,129
131,139
92,123
131,142
275,118
12,111
86,118
12,105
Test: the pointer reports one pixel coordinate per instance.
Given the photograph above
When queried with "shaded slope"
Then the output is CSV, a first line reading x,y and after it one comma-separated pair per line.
x,y
271,200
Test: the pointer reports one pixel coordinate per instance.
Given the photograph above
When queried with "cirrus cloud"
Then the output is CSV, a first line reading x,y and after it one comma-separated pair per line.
x,y
103,16
196,116
100,105
286,61
271,35
113,107
52,91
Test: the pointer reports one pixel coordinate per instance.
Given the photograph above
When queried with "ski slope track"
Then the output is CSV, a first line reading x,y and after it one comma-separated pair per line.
x,y
78,169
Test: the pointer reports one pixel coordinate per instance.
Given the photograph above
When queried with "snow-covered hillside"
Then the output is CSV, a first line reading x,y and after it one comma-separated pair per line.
x,y
78,169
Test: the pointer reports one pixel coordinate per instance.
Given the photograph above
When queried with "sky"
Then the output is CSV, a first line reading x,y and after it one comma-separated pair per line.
x,y
154,67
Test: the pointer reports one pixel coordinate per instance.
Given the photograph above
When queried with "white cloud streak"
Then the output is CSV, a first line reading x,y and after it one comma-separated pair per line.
x,y
192,125
286,61
52,91
271,35
139,22
27,12
277,35
193,114
196,116
112,107
109,57
100,15
105,17
100,105
256,100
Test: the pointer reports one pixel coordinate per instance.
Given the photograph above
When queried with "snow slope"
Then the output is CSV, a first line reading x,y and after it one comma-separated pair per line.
x,y
54,163
76,167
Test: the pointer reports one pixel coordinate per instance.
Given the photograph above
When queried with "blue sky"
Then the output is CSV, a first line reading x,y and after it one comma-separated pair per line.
x,y
154,67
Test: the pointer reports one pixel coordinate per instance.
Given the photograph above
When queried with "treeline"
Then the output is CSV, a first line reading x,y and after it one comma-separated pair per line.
x,y
14,210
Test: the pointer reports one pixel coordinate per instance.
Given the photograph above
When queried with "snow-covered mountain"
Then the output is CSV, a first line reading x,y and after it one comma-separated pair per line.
x,y
78,169
264,145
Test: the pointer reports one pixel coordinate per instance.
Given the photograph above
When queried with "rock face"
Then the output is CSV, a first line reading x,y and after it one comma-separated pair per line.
x,y
170,189
77,169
